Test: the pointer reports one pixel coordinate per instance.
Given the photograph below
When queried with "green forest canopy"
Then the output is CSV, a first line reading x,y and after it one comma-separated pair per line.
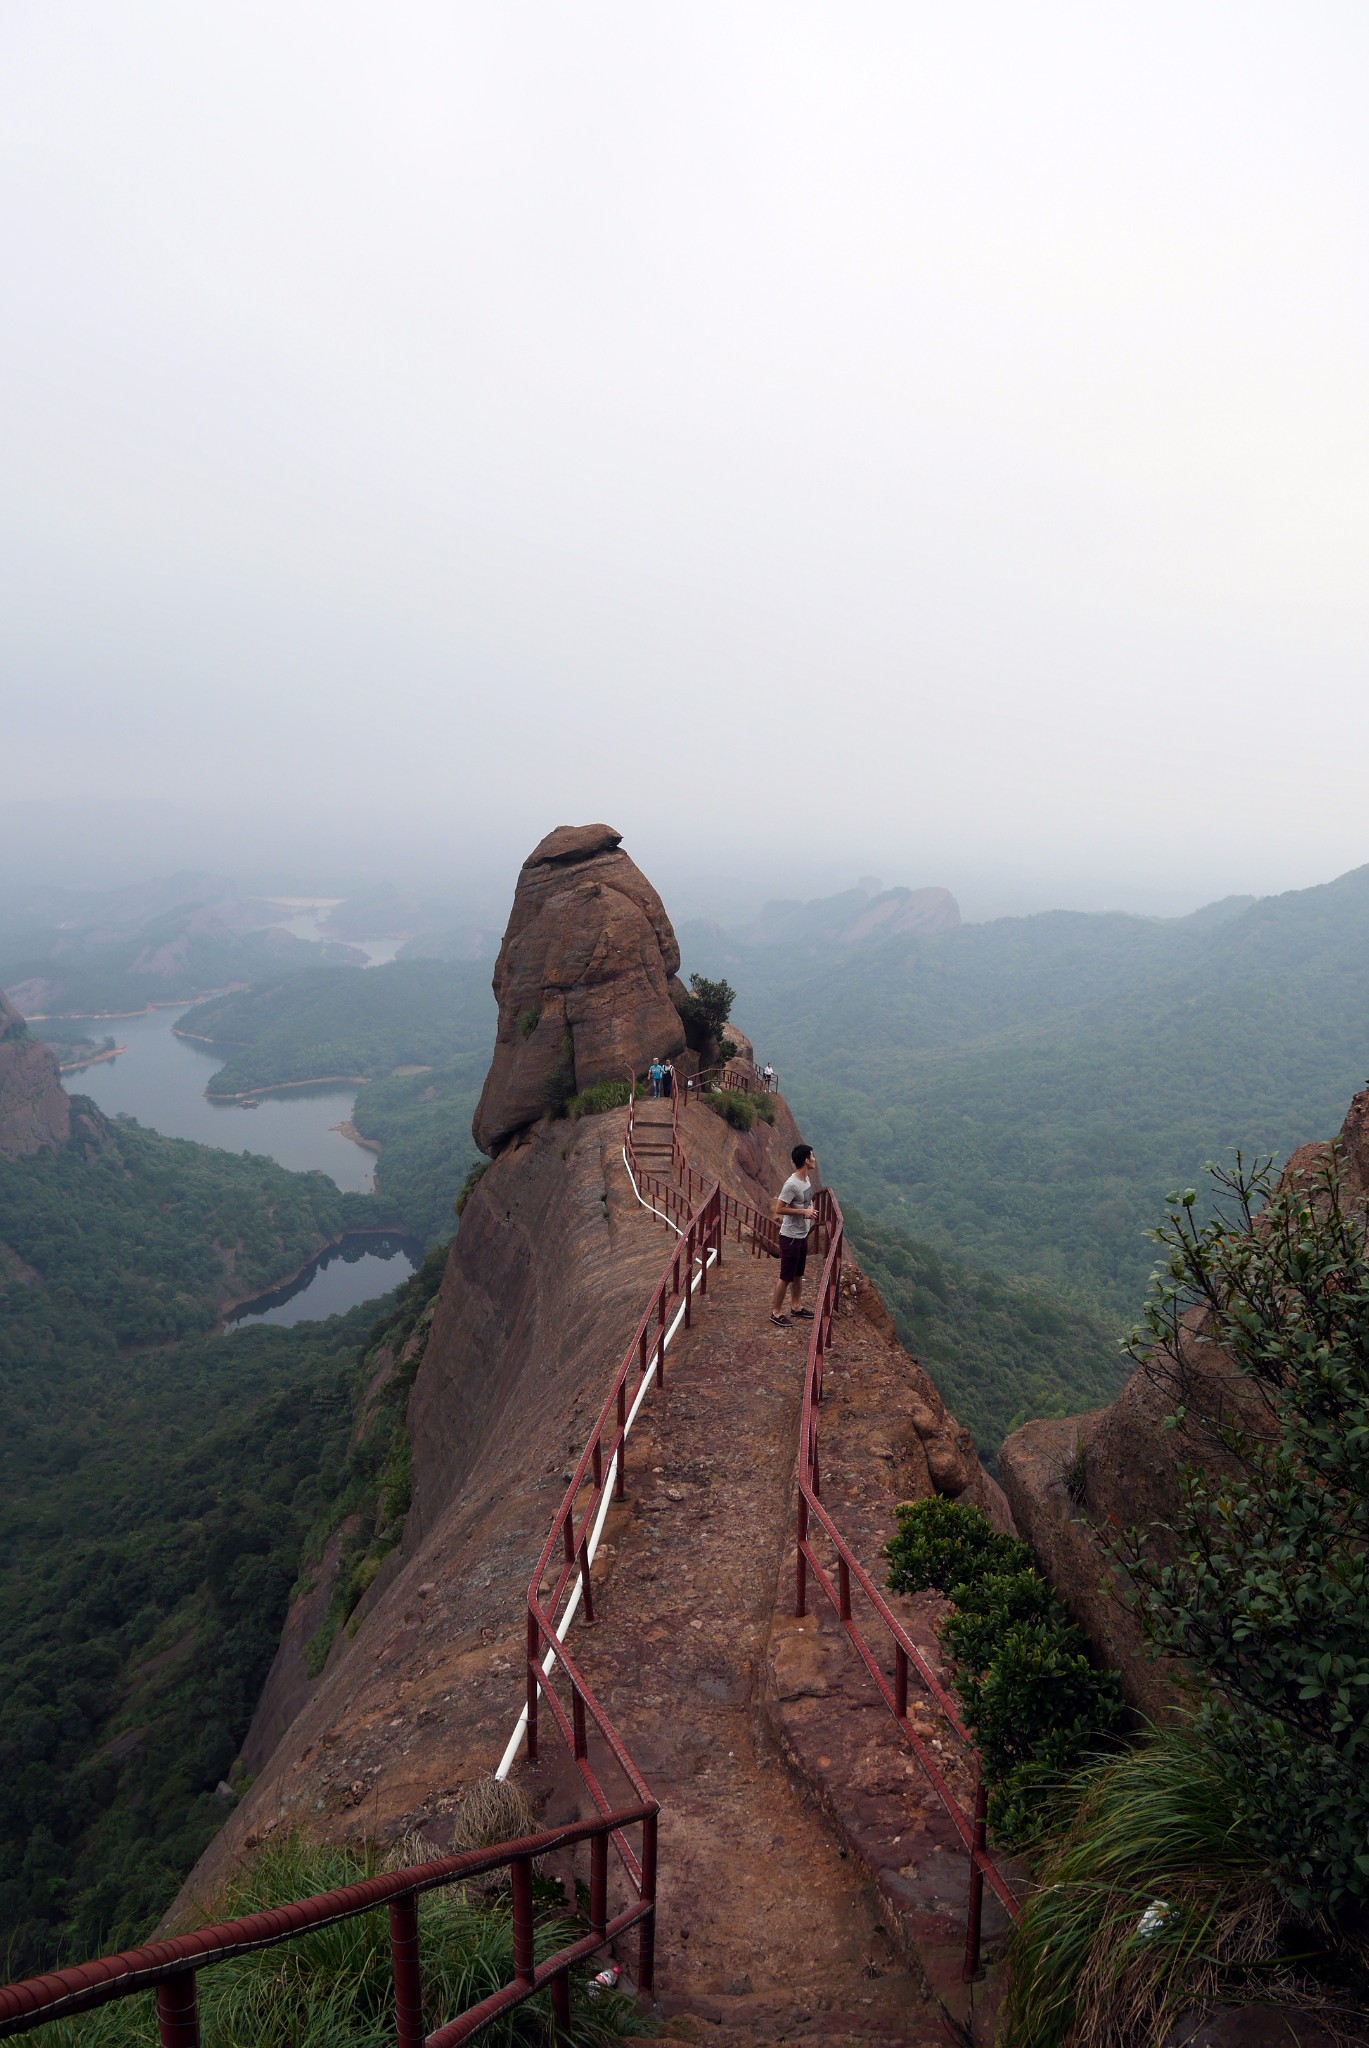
x,y
1022,1094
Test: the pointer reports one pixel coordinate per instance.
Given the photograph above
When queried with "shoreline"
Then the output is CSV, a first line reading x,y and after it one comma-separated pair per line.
x,y
236,1308
349,1130
279,1087
92,1060
112,1016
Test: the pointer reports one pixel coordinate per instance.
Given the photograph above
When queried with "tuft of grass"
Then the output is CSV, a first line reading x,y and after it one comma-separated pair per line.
x,y
1154,1901
469,1186
594,1101
735,1108
332,1987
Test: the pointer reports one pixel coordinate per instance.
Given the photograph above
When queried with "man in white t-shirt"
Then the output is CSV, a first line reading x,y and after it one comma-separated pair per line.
x,y
796,1210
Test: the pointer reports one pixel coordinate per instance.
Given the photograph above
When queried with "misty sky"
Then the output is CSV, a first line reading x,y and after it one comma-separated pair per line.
x,y
921,438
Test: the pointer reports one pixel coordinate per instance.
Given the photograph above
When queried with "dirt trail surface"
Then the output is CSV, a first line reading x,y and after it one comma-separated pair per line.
x,y
769,1928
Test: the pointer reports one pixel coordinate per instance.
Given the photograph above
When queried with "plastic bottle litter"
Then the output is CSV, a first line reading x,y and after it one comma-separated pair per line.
x,y
1154,1918
605,1981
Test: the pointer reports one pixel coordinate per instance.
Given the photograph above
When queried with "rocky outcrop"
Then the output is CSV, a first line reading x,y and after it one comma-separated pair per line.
x,y
1076,1484
35,1111
583,980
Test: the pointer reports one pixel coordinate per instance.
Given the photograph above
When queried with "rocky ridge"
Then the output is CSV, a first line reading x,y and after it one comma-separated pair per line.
x,y
542,1290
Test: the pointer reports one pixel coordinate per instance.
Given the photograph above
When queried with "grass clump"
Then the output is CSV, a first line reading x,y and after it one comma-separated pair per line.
x,y
1032,1697
602,1096
735,1108
469,1186
1156,1900
333,1988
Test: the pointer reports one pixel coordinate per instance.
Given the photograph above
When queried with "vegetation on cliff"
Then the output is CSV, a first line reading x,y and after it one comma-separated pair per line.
x,y
1032,1697
1227,1855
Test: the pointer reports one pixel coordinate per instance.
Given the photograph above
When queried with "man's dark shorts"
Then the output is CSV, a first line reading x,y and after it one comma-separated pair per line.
x,y
793,1258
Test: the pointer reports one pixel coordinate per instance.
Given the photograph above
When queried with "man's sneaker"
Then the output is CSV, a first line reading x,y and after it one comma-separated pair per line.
x,y
798,1313
780,1322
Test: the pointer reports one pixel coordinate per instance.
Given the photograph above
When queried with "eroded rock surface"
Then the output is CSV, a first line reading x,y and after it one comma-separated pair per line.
x,y
583,979
35,1110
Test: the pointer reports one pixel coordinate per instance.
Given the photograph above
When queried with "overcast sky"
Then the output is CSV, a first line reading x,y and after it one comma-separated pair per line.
x,y
929,439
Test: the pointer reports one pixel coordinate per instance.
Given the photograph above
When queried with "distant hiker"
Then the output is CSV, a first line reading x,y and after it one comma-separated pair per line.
x,y
795,1209
656,1075
768,1076
668,1079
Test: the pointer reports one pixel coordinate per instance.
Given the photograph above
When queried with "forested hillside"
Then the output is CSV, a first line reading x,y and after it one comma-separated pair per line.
x,y
157,1484
347,1020
1022,1094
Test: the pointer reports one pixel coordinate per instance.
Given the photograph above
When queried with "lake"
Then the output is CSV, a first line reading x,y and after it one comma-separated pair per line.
x,y
161,1079
355,1271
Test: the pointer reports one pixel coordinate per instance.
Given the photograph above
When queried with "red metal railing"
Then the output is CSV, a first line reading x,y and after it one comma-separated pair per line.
x,y
852,1578
598,1478
170,1968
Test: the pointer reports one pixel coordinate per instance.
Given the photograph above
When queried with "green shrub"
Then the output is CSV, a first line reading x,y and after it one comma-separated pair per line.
x,y
735,1108
469,1185
594,1101
528,1020
333,1988
1267,1593
1157,1898
1032,1697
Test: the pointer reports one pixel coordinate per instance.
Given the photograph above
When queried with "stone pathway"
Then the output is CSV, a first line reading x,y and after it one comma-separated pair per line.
x,y
770,1929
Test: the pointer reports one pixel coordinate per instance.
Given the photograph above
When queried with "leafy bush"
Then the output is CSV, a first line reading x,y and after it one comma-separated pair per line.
x,y
1033,1700
333,1987
735,1108
1267,1590
1157,1898
603,1095
469,1186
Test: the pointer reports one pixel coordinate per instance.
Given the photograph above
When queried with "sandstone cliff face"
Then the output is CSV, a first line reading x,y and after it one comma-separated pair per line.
x,y
1075,1484
35,1111
583,979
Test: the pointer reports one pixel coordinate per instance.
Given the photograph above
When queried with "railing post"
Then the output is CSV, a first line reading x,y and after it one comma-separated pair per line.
x,y
598,1883
577,1717
407,1974
523,1965
801,1593
844,1588
646,1962
178,2011
900,1681
981,1808
534,1646
598,1466
689,1279
560,2005
620,1477
585,1582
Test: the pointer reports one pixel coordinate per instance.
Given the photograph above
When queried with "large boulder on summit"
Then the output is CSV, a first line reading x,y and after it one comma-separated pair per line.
x,y
35,1110
584,979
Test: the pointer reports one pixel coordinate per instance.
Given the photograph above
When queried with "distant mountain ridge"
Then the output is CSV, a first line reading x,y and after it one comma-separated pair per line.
x,y
1023,1093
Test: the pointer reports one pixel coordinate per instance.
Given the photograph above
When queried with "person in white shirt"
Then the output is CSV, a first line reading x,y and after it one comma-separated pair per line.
x,y
796,1211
